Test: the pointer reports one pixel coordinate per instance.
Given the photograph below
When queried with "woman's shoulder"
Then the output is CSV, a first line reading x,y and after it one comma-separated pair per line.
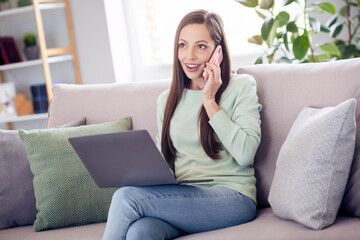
x,y
239,82
163,97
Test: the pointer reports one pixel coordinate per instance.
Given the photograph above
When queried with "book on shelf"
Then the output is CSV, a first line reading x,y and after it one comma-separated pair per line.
x,y
9,52
40,99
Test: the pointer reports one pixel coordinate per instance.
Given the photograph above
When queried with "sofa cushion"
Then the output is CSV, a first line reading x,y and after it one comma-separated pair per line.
x,y
283,90
314,164
268,226
265,226
17,200
64,190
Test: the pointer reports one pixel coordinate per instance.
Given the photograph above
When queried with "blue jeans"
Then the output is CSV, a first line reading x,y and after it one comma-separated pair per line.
x,y
170,211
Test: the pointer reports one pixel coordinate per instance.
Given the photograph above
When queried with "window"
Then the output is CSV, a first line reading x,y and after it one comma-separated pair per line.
x,y
151,26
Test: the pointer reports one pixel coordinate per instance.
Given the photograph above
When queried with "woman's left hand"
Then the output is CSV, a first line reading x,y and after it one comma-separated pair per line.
x,y
211,87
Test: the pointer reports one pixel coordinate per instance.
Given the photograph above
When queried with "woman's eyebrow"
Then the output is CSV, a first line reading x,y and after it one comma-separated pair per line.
x,y
182,40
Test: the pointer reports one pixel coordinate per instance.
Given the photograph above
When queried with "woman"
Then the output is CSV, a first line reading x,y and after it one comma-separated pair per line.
x,y
205,130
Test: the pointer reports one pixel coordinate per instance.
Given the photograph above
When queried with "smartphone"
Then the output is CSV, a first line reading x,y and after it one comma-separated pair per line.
x,y
217,56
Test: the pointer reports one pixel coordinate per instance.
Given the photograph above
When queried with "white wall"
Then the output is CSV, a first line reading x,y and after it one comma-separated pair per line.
x,y
92,41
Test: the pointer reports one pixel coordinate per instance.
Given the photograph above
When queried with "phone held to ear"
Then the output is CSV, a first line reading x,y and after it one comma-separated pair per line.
x,y
217,56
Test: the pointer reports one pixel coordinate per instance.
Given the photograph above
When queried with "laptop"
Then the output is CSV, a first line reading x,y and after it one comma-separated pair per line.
x,y
121,159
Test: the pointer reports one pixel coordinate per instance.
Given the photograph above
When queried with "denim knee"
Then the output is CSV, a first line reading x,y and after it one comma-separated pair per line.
x,y
125,195
152,229
141,229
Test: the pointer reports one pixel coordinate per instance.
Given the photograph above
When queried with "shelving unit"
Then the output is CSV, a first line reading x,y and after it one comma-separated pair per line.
x,y
24,64
48,55
24,118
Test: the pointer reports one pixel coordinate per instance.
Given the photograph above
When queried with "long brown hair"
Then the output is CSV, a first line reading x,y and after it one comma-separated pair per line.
x,y
180,81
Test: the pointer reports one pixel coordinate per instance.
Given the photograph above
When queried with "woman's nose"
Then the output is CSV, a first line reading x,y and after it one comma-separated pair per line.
x,y
191,54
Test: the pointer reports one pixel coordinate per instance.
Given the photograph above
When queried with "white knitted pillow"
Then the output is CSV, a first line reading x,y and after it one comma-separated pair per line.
x,y
313,165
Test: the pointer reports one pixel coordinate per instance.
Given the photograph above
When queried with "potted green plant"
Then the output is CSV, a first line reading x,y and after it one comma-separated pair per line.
x,y
287,38
31,48
5,4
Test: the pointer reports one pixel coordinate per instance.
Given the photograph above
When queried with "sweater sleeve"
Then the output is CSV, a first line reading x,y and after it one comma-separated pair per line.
x,y
238,126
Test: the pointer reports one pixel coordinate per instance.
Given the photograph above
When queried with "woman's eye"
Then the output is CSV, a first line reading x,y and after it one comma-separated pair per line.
x,y
182,45
202,46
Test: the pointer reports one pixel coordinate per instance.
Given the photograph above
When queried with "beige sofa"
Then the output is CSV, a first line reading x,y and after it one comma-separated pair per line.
x,y
283,91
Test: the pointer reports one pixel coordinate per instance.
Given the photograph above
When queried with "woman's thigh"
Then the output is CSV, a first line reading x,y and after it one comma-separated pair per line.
x,y
189,208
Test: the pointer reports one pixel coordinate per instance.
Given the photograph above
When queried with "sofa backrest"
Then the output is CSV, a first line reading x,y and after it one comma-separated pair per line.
x,y
283,90
107,102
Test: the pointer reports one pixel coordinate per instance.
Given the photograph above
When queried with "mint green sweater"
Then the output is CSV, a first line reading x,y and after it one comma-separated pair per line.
x,y
237,127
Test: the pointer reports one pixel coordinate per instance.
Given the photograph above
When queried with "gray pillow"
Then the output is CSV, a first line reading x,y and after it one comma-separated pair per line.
x,y
313,165
17,200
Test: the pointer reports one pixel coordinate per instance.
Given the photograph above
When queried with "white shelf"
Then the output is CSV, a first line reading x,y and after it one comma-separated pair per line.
x,y
20,10
55,59
24,118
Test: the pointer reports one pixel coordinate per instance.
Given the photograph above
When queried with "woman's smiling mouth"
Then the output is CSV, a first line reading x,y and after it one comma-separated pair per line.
x,y
192,67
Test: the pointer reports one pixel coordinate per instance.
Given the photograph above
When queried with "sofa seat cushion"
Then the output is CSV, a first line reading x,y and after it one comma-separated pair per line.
x,y
85,232
268,226
265,226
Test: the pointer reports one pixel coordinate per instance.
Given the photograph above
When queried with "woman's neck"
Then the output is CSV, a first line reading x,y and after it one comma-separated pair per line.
x,y
197,84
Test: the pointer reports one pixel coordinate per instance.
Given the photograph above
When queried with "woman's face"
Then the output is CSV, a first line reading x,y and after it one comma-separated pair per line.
x,y
195,49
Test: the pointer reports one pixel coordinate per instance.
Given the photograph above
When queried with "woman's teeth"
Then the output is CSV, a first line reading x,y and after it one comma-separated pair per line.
x,y
192,67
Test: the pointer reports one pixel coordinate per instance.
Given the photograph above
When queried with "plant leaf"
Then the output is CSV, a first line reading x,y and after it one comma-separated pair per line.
x,y
315,24
319,57
248,3
286,42
327,7
283,17
287,2
260,14
272,35
259,60
357,53
347,50
332,20
314,10
301,46
284,60
257,39
339,42
266,27
336,29
330,48
344,11
324,29
291,27
266,4
357,39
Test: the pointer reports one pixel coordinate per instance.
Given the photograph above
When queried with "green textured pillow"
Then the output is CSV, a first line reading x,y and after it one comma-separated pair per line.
x,y
65,193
